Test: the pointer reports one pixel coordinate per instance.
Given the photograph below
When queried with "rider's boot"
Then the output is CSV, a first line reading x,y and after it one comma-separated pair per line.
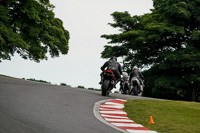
x,y
101,79
141,88
116,82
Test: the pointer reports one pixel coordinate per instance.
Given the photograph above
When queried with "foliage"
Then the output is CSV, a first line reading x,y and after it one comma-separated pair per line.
x,y
94,89
7,76
168,116
116,91
90,88
42,81
64,84
166,40
82,87
29,28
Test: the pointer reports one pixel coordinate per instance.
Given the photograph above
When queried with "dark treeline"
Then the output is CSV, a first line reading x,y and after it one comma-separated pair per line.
x,y
167,40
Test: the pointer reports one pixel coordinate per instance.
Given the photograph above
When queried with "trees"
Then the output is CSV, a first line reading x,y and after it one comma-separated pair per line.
x,y
167,39
29,27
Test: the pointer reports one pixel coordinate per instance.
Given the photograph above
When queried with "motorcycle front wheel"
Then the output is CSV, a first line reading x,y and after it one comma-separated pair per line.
x,y
105,88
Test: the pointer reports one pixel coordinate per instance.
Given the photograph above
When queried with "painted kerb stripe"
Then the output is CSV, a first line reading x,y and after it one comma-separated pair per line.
x,y
112,112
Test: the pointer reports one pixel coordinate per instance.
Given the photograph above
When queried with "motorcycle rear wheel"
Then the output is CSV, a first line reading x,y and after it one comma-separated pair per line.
x,y
121,90
105,88
135,90
127,91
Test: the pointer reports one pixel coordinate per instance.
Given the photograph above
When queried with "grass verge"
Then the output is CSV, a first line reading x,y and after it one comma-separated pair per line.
x,y
168,116
6,76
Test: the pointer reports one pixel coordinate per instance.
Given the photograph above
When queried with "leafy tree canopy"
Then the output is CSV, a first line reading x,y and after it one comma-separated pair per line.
x,y
167,39
29,27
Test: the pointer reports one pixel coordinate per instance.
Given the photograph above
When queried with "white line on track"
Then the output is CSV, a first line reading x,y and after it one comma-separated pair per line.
x,y
120,120
112,112
127,125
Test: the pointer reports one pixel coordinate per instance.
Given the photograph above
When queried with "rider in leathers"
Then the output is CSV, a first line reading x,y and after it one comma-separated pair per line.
x,y
113,65
125,77
136,73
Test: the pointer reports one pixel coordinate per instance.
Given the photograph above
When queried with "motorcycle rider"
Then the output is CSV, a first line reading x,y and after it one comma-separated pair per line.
x,y
125,77
136,73
113,65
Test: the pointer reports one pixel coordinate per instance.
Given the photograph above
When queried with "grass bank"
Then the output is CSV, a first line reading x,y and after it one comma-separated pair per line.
x,y
168,116
7,76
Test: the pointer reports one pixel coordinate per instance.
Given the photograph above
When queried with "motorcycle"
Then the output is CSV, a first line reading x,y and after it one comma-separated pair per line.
x,y
108,82
136,86
124,88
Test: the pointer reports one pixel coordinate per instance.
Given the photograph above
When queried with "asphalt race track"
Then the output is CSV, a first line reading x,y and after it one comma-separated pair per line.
x,y
32,107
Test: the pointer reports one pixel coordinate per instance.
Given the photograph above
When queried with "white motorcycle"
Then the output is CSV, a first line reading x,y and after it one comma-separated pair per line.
x,y
136,86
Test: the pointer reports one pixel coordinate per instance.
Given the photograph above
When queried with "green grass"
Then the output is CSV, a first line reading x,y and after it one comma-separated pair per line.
x,y
168,116
6,76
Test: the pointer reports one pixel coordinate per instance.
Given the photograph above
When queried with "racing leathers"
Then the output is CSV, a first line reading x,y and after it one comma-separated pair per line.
x,y
115,67
138,75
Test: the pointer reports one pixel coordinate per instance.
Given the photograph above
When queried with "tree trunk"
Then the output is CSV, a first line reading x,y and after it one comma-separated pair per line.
x,y
193,93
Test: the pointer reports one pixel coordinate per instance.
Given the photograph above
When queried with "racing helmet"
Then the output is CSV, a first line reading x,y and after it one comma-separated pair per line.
x,y
113,57
135,68
125,74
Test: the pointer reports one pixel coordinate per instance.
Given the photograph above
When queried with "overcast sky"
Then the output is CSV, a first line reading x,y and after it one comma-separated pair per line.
x,y
86,20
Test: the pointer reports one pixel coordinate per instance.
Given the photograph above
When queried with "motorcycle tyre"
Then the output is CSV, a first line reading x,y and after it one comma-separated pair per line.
x,y
135,90
121,90
127,91
105,88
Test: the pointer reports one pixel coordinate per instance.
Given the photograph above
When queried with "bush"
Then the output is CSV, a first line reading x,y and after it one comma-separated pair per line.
x,y
116,92
42,81
94,89
63,84
82,87
91,89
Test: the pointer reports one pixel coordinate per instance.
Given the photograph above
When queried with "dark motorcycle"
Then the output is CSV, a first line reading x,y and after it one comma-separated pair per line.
x,y
136,86
124,87
108,82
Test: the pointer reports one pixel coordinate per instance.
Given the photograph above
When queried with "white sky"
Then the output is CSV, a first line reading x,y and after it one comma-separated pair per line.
x,y
86,20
